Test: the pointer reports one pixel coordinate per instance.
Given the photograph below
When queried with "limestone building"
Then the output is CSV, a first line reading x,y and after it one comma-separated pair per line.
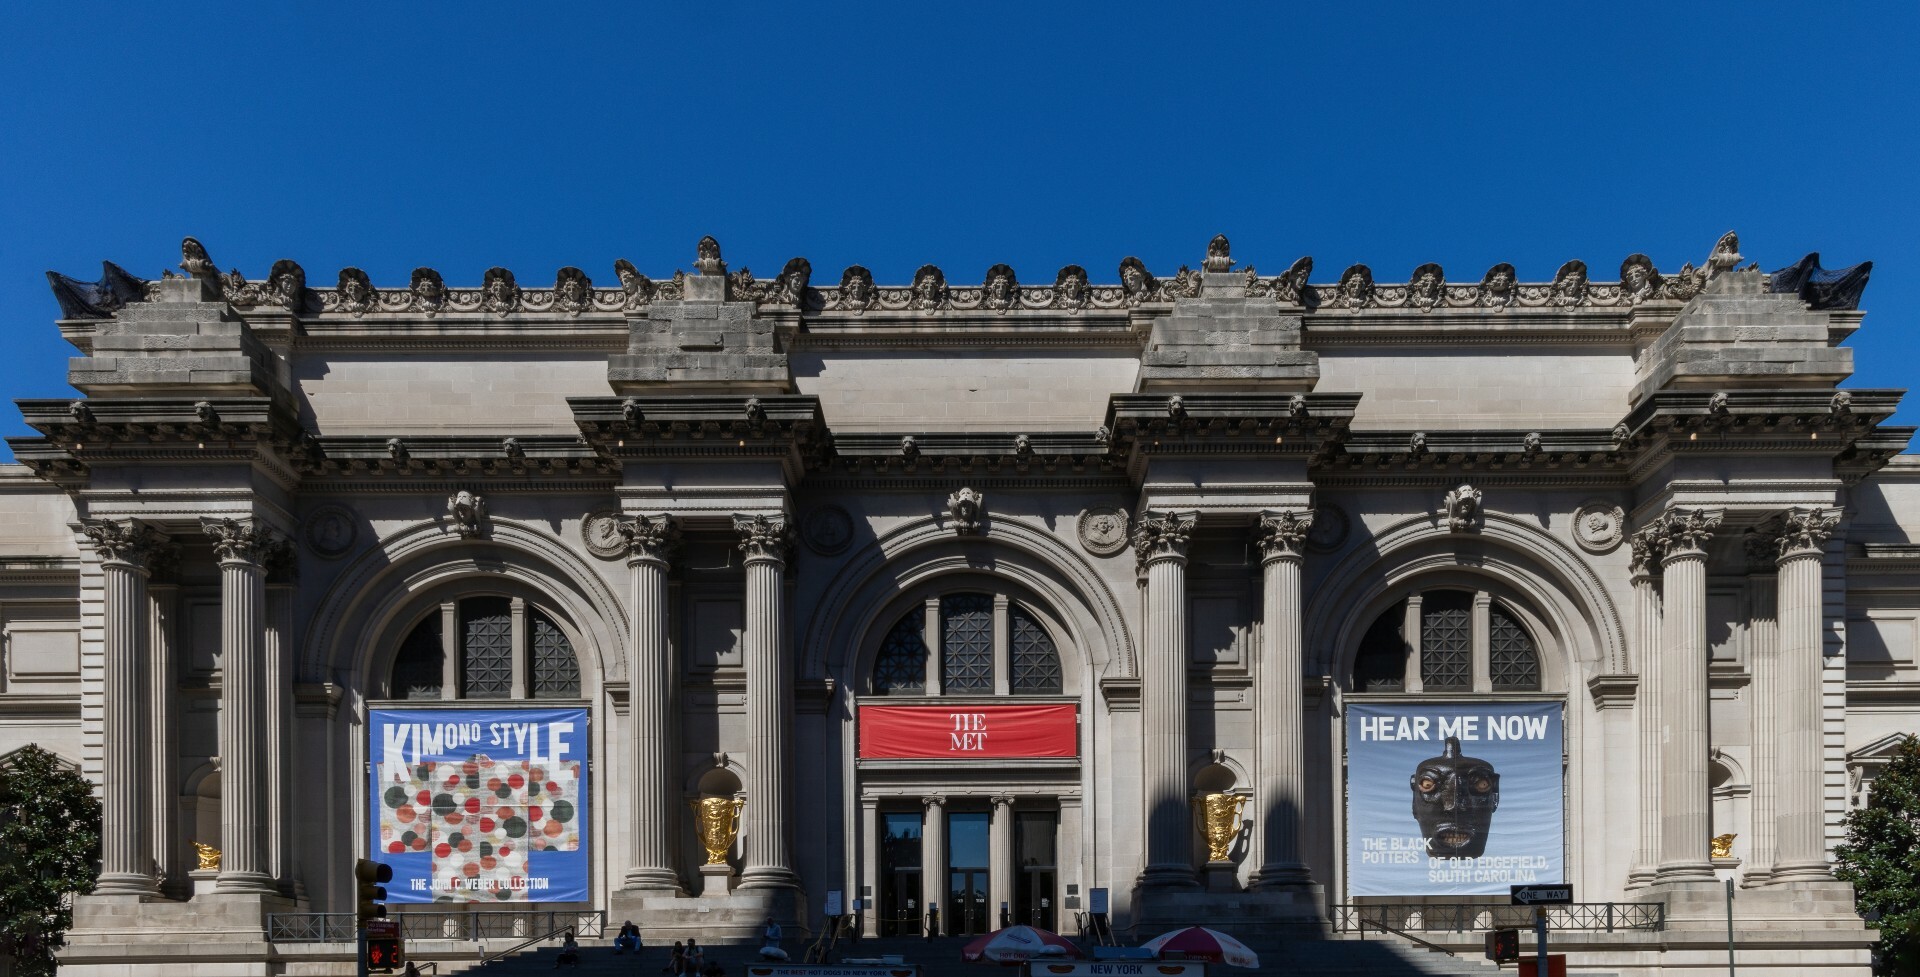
x,y
1208,595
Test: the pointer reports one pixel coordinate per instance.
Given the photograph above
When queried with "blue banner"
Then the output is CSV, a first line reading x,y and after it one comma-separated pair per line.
x,y
1453,798
480,805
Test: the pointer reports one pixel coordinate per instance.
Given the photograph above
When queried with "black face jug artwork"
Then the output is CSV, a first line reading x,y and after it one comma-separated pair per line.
x,y
1454,798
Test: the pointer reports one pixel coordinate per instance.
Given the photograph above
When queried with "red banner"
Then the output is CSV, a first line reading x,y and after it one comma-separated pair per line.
x,y
968,732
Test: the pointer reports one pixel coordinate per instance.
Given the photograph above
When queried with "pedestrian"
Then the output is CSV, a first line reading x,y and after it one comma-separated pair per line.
x,y
933,922
696,957
677,962
569,952
770,933
628,939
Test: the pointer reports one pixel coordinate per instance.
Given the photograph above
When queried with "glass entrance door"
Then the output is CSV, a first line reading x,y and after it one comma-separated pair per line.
x,y
1035,836
968,846
899,907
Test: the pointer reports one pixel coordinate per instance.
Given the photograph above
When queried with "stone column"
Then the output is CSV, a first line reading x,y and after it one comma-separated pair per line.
x,y
769,687
242,547
163,773
1801,849
1645,565
1161,544
1280,781
277,678
869,889
1000,864
1763,662
1685,813
933,857
651,710
126,835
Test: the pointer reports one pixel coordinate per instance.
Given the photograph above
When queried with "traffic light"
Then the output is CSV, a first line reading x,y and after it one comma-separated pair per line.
x,y
1503,945
371,878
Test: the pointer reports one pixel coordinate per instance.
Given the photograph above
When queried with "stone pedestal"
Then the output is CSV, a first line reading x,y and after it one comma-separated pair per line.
x,y
716,880
1222,877
713,919
204,880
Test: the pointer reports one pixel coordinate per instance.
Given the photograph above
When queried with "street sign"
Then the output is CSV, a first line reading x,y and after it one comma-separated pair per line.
x,y
388,929
1542,895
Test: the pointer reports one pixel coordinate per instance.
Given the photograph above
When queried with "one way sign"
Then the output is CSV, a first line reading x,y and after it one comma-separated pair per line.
x,y
1542,895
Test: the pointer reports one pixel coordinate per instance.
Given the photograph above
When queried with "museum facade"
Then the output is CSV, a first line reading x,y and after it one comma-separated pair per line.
x,y
1203,596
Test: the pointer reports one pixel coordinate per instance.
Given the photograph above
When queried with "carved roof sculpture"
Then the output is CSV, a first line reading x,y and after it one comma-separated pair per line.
x,y
574,295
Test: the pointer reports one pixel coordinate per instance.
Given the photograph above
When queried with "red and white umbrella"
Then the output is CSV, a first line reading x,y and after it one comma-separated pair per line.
x,y
1200,943
1019,943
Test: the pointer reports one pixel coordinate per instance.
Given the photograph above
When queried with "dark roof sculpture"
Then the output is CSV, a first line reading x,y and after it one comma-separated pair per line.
x,y
1838,290
96,300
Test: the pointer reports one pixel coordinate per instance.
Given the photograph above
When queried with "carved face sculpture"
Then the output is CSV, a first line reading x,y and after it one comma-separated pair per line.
x,y
856,288
999,290
1454,798
1133,277
1071,288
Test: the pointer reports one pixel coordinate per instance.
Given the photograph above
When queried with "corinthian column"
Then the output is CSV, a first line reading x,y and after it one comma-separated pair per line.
x,y
1280,782
126,838
1161,544
277,682
769,687
1801,827
1684,821
163,774
242,549
1763,663
650,705
1646,652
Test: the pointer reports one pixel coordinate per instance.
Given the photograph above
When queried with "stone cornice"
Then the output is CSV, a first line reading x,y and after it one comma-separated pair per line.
x,y
1518,452
456,456
1011,457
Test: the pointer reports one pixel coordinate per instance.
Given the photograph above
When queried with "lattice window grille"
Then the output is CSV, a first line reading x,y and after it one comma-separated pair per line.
x,y
901,668
1512,661
1446,647
556,672
966,643
418,671
1036,663
486,626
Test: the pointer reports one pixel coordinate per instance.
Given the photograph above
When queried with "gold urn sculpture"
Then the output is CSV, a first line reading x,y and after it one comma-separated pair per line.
x,y
208,855
1220,823
717,819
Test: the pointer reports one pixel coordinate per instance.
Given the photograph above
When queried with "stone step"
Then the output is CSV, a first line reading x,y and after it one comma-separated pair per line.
x,y
941,958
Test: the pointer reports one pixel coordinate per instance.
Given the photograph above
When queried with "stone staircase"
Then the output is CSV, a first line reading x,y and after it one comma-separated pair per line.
x,y
1373,957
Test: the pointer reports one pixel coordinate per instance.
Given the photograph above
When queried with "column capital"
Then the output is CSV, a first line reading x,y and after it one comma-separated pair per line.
x,y
1282,534
763,537
1002,800
129,543
1684,533
1163,536
1647,547
649,539
242,541
1803,533
932,801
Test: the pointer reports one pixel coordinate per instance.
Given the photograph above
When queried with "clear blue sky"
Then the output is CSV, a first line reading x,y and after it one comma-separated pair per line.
x,y
459,136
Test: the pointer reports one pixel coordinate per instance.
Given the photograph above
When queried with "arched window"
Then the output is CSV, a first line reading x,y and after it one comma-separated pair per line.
x,y
1447,641
966,643
901,668
1036,665
500,648
1511,659
986,643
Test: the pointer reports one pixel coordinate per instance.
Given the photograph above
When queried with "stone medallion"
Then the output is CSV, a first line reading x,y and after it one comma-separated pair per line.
x,y
1598,526
330,531
1329,529
1103,530
827,530
600,530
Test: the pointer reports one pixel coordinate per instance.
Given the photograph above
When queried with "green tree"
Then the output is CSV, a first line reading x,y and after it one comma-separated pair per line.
x,y
1881,858
49,852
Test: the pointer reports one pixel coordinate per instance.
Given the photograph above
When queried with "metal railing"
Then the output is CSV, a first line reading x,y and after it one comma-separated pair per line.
x,y
312,928
487,924
1470,917
1363,923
